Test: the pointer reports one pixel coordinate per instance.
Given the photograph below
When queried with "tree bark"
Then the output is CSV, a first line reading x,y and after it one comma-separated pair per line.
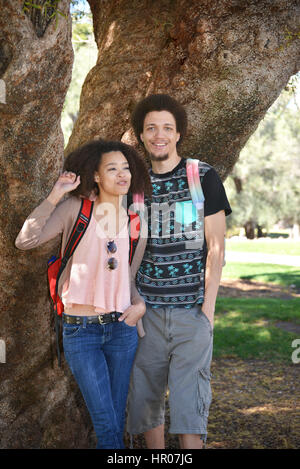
x,y
37,400
226,61
222,59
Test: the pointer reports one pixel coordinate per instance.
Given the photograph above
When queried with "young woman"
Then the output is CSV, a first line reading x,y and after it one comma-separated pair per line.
x,y
101,304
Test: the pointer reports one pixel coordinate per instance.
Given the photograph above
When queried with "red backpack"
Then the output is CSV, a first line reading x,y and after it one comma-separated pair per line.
x,y
56,265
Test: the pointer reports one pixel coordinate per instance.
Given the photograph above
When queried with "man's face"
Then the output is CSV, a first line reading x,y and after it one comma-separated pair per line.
x,y
160,135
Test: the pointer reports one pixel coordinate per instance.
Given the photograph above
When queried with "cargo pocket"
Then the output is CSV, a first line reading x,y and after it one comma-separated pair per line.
x,y
204,392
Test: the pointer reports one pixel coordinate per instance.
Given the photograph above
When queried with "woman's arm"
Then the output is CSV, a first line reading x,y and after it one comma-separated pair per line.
x,y
47,221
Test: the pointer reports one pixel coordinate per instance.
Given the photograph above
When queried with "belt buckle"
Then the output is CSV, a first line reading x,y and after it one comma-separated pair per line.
x,y
100,319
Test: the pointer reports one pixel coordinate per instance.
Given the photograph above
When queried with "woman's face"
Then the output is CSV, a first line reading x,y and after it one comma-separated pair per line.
x,y
113,176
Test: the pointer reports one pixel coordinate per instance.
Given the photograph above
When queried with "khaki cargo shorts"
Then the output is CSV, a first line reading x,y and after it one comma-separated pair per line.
x,y
174,354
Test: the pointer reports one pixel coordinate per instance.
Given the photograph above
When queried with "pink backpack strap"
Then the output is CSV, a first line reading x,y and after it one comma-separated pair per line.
x,y
138,198
192,171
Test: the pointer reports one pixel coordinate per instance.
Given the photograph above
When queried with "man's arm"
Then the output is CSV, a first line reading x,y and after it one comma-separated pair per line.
x,y
215,228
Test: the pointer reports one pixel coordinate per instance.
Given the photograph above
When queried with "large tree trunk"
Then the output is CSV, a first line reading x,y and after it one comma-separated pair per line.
x,y
37,400
226,61
222,59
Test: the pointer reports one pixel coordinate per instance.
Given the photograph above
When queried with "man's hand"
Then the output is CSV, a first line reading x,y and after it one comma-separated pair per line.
x,y
209,314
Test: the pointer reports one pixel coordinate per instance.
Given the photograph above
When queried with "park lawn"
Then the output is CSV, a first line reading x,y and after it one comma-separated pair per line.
x,y
245,328
286,247
283,275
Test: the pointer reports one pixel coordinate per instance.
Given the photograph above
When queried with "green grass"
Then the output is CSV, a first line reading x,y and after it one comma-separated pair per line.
x,y
265,246
283,275
245,328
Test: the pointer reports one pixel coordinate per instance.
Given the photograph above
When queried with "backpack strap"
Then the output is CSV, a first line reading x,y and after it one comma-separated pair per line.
x,y
138,199
135,223
78,230
192,171
134,227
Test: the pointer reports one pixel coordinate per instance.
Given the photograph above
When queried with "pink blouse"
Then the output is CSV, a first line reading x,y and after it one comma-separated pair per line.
x,y
90,282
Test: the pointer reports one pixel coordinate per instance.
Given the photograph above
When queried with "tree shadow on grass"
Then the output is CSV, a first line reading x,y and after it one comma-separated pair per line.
x,y
281,278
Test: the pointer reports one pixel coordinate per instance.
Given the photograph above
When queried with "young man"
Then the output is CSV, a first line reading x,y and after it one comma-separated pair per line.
x,y
179,279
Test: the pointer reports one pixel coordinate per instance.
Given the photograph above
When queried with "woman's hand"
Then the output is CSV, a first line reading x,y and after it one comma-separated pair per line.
x,y
66,182
132,314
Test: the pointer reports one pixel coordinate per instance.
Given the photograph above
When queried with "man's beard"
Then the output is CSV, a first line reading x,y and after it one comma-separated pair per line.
x,y
158,158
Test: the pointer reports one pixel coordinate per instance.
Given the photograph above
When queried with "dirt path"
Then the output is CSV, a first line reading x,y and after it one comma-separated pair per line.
x,y
251,289
256,404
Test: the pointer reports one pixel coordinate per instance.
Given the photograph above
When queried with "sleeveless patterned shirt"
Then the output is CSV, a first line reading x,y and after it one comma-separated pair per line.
x,y
173,268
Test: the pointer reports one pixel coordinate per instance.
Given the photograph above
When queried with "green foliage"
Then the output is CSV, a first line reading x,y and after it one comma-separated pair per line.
x,y
85,56
264,184
82,33
48,9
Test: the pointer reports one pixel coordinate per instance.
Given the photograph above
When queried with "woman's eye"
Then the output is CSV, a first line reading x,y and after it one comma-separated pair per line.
x,y
114,169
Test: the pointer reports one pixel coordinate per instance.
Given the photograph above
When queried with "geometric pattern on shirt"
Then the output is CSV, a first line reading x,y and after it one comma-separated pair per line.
x,y
173,268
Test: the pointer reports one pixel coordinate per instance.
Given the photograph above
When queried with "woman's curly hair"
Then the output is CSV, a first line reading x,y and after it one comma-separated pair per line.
x,y
85,160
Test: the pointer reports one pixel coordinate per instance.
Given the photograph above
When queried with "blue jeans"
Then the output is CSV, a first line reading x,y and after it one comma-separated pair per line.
x,y
100,358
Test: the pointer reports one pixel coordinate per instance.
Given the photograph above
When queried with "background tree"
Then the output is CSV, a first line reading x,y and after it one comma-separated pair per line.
x,y
263,187
85,57
226,61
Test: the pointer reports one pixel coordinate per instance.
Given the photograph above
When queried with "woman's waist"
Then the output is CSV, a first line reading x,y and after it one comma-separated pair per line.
x,y
85,310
